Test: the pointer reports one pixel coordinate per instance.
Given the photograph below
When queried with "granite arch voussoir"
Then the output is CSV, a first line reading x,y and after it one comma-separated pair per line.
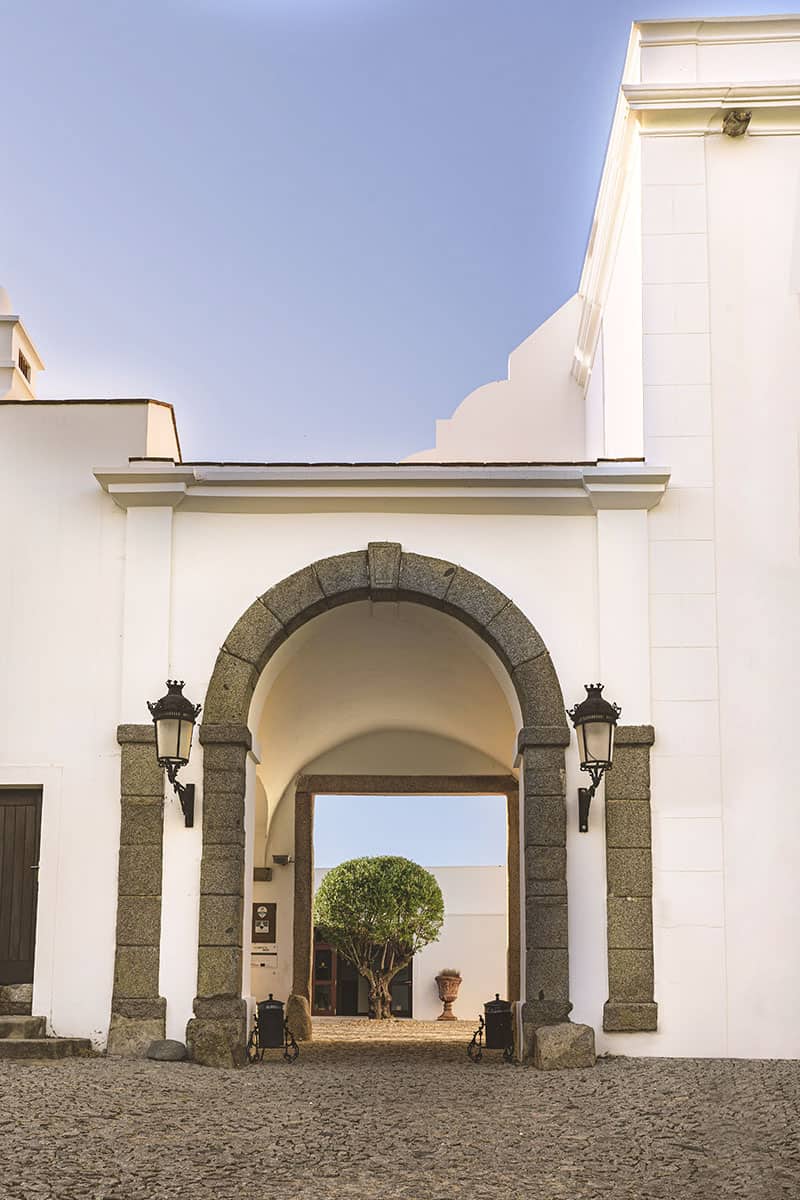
x,y
384,571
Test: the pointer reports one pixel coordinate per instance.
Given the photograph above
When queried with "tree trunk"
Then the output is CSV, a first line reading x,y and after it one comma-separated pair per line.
x,y
380,999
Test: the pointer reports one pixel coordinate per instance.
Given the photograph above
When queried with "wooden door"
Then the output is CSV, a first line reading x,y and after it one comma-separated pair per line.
x,y
20,824
323,1002
347,988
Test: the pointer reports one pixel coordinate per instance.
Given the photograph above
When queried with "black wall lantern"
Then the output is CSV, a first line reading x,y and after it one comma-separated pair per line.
x,y
174,717
595,720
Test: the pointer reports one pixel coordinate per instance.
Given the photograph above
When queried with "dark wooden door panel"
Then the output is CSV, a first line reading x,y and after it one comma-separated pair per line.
x,y
323,996
20,824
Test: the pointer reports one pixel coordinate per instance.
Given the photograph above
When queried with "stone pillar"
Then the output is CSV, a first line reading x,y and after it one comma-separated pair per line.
x,y
217,1034
513,897
629,871
299,1004
137,1011
546,932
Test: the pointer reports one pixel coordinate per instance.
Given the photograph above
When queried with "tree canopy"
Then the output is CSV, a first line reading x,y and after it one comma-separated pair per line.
x,y
378,912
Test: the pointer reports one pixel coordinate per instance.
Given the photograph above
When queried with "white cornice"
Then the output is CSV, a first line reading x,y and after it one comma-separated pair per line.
x,y
642,96
699,108
557,489
720,31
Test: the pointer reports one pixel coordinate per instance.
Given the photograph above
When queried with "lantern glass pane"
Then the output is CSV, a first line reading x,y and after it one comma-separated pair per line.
x,y
597,734
167,738
581,742
185,741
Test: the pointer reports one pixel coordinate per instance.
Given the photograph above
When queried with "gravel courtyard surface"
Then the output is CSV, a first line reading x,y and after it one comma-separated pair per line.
x,y
399,1118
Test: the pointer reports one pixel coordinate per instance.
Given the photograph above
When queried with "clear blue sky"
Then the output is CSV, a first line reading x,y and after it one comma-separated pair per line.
x,y
437,831
312,225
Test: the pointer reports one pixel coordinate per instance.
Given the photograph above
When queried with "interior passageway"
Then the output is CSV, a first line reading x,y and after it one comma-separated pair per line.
x,y
398,694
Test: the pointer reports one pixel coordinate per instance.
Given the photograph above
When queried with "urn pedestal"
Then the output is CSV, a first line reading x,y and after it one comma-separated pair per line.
x,y
448,986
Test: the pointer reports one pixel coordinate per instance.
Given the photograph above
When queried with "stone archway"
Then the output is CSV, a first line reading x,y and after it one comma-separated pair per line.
x,y
382,572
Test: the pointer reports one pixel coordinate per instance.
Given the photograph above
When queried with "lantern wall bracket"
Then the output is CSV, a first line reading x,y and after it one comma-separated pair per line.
x,y
184,792
585,796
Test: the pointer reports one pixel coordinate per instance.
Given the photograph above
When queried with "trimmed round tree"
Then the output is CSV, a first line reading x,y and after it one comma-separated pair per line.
x,y
378,912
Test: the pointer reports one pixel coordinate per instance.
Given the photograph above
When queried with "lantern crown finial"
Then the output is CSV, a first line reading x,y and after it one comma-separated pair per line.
x,y
594,707
174,705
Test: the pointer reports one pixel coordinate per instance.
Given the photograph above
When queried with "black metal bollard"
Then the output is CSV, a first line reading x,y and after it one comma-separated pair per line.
x,y
270,1023
498,1028
270,1032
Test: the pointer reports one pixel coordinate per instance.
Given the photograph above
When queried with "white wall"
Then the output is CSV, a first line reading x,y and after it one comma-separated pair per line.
x,y
474,939
274,973
720,336
620,357
687,818
535,415
63,547
755,424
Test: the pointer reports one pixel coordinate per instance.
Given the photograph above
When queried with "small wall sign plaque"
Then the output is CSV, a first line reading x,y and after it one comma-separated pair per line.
x,y
264,921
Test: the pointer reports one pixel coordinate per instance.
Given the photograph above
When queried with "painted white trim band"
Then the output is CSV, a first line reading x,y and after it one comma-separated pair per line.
x,y
553,489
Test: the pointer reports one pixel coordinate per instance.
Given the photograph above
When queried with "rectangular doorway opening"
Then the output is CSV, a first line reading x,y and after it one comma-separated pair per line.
x,y
463,839
20,829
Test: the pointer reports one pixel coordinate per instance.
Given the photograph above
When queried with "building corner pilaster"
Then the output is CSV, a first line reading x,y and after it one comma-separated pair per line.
x,y
138,1012
631,1006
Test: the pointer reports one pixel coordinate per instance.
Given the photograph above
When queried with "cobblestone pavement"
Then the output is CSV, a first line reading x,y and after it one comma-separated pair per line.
x,y
361,1029
399,1118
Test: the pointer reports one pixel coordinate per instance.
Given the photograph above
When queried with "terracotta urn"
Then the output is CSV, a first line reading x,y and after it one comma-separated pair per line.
x,y
448,986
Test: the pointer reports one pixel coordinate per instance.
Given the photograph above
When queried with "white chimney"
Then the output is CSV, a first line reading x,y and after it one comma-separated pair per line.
x,y
19,362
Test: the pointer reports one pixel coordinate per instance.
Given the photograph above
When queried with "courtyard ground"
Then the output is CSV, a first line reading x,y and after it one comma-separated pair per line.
x,y
378,1114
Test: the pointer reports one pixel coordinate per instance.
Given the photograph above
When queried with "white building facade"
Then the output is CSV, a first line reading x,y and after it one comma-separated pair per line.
x,y
623,507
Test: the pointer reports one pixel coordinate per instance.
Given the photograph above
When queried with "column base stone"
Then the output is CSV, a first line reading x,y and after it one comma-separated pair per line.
x,y
134,1025
217,1035
298,1017
560,1047
630,1016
